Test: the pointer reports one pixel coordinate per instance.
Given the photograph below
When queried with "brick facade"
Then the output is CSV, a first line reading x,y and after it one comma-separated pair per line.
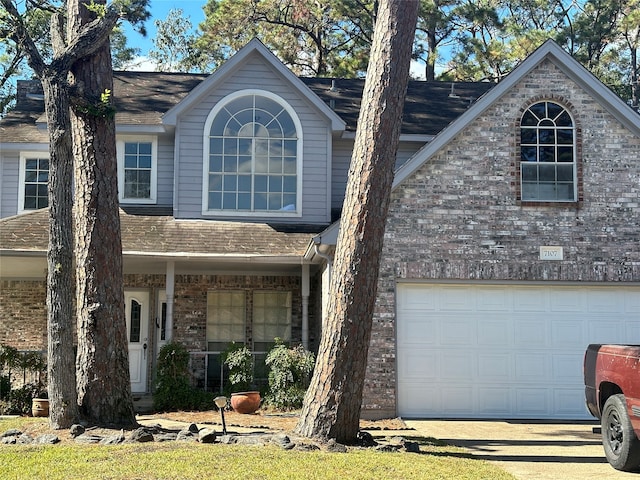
x,y
23,311
458,217
23,314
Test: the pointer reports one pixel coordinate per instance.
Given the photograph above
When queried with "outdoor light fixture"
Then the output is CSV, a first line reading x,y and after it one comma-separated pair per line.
x,y
221,402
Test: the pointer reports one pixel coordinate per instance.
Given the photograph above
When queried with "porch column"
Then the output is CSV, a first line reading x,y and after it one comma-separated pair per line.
x,y
169,287
305,306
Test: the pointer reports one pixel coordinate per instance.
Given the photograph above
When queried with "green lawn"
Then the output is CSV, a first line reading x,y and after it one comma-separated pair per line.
x,y
178,460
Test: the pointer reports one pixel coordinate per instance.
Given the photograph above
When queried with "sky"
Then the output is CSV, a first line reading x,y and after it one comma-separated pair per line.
x,y
159,10
193,10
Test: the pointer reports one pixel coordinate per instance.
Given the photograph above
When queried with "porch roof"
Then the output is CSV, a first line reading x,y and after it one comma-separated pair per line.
x,y
164,236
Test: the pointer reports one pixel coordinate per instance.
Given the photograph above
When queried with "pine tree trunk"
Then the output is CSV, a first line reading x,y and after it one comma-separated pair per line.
x,y
104,388
63,409
333,401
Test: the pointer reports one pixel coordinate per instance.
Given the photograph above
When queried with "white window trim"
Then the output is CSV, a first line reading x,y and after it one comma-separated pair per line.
x,y
205,158
575,160
120,141
24,156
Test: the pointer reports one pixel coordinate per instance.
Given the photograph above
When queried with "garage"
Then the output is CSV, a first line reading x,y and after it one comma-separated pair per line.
x,y
476,350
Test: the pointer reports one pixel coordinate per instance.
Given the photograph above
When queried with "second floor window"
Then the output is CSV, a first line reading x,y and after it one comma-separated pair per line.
x,y
251,157
137,160
34,172
547,154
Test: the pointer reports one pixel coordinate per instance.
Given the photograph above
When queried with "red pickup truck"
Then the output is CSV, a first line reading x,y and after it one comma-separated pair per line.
x,y
612,390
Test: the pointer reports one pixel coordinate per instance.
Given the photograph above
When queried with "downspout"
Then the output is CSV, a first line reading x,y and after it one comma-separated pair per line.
x,y
325,291
305,306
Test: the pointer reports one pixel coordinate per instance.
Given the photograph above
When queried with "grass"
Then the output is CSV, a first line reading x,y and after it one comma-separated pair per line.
x,y
178,460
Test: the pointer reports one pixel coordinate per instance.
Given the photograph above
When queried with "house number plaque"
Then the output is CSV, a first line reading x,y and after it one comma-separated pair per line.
x,y
551,253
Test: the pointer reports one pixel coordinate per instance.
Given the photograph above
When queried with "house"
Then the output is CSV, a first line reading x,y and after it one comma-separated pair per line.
x,y
513,237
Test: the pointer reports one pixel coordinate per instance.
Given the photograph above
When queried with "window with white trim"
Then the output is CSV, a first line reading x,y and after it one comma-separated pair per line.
x,y
252,157
34,178
137,169
271,318
226,315
547,154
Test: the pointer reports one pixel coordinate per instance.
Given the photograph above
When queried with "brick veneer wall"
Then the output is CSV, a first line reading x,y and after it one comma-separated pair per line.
x,y
190,304
23,311
458,218
23,314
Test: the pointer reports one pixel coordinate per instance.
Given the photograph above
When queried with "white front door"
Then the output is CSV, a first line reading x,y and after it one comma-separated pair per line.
x,y
137,313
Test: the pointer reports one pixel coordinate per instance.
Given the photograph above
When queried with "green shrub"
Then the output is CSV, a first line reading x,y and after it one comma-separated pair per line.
x,y
289,371
237,357
18,400
173,390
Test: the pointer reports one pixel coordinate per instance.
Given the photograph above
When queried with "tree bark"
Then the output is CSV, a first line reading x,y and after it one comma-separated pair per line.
x,y
60,292
103,382
333,401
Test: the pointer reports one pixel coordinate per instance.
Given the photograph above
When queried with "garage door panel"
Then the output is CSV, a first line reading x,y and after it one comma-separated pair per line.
x,y
568,333
632,332
631,302
418,298
603,330
566,365
495,401
531,368
453,299
422,330
567,401
458,367
494,332
494,367
500,351
602,301
420,365
530,332
566,300
459,400
530,299
532,402
458,331
494,300
421,400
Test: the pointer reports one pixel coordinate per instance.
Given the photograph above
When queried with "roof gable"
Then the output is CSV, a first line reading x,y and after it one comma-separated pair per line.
x,y
236,62
548,51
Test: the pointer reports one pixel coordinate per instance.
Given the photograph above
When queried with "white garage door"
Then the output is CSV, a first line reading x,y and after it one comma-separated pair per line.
x,y
496,351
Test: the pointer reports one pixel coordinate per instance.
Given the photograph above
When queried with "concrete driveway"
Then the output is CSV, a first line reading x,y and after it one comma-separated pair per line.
x,y
529,450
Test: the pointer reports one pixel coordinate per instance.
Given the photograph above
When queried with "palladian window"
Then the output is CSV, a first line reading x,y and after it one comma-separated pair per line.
x,y
547,154
252,160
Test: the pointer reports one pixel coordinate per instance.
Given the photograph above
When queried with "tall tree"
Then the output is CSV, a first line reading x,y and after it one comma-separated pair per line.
x,y
59,94
333,401
312,38
103,381
435,26
173,48
630,27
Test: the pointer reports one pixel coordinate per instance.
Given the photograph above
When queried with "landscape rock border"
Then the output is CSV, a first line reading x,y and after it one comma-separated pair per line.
x,y
192,433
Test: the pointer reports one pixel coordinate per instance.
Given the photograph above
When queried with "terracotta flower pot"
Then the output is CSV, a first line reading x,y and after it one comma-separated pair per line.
x,y
40,407
245,402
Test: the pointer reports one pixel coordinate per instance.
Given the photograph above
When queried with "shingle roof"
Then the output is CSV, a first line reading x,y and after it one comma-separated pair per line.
x,y
163,235
141,98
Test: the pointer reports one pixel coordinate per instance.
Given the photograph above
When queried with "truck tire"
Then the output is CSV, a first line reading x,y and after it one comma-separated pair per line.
x,y
621,446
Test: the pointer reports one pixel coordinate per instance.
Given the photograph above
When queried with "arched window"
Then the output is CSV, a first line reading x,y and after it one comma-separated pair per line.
x,y
547,154
252,159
